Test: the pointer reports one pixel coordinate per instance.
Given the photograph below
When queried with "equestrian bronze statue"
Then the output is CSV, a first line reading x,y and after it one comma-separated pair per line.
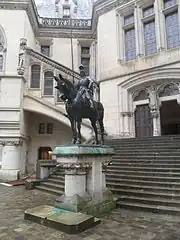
x,y
80,104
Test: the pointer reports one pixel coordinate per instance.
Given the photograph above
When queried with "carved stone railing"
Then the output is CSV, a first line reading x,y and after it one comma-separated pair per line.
x,y
63,23
52,63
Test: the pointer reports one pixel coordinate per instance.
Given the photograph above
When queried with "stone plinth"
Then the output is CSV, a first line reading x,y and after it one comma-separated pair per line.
x,y
63,220
85,186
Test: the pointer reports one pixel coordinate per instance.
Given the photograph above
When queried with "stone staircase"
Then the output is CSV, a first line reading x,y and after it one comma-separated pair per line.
x,y
145,174
54,184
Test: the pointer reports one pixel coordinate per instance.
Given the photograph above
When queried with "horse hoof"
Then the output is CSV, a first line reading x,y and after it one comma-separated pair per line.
x,y
78,142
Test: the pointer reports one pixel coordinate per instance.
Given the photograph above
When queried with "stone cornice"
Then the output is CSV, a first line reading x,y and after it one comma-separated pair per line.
x,y
51,32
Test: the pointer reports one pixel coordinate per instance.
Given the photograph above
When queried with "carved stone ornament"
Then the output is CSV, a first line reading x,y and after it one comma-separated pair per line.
x,y
81,166
127,114
12,143
20,71
23,43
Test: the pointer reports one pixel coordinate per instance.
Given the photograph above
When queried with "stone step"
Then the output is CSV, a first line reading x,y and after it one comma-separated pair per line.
x,y
59,181
143,177
149,200
58,176
111,181
138,161
138,187
146,153
146,193
139,172
52,186
148,150
146,207
172,136
145,164
162,147
140,168
145,157
49,190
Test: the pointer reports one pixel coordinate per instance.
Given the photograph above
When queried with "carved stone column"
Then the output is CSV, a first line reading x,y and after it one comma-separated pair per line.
x,y
127,116
154,109
11,157
138,31
158,6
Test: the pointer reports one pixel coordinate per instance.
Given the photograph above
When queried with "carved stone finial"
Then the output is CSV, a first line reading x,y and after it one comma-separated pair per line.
x,y
23,43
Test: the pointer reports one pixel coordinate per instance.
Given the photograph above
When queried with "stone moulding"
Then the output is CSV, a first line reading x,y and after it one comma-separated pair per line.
x,y
77,150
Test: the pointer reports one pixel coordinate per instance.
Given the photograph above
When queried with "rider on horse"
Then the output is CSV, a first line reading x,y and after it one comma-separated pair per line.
x,y
86,87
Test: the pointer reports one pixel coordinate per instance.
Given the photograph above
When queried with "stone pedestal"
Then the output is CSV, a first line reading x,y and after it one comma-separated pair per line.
x,y
85,186
11,157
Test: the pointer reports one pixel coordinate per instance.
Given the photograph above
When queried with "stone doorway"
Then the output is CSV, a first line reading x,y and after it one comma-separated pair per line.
x,y
143,121
170,117
44,153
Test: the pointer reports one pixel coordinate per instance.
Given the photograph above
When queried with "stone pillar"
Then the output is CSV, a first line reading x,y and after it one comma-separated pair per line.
x,y
11,157
75,182
154,108
127,128
156,123
159,20
120,37
138,31
85,186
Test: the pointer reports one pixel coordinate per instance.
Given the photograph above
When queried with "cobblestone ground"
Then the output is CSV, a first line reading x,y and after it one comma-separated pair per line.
x,y
119,225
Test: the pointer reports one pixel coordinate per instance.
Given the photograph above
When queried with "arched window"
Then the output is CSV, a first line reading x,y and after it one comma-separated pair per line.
x,y
35,76
169,90
141,95
48,83
2,49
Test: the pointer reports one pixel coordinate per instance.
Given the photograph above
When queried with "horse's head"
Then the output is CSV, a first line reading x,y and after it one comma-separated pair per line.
x,y
63,87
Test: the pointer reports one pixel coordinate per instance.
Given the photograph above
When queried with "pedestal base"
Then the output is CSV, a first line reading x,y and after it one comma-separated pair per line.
x,y
9,174
59,219
88,204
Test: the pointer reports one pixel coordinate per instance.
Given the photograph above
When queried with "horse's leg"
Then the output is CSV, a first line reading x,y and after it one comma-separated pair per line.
x,y
79,139
74,132
101,125
93,123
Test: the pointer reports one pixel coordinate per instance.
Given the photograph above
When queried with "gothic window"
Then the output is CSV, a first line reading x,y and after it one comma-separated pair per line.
x,y
85,62
148,11
171,24
169,3
41,129
35,76
48,83
169,90
172,30
130,39
49,128
149,31
142,95
45,50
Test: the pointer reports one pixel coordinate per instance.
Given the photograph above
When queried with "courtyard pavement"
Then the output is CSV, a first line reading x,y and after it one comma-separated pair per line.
x,y
120,224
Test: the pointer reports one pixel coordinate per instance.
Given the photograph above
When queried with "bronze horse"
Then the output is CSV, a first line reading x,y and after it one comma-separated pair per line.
x,y
78,109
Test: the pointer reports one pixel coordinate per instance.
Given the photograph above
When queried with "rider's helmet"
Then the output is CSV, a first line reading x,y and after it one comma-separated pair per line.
x,y
81,67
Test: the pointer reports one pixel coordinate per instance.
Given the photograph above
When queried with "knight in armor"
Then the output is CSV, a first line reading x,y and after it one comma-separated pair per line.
x,y
86,87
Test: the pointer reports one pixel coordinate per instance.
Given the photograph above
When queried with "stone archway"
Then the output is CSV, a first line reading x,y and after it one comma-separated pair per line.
x,y
44,153
169,109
